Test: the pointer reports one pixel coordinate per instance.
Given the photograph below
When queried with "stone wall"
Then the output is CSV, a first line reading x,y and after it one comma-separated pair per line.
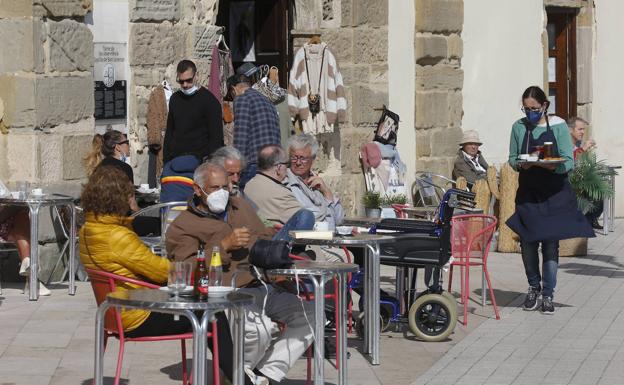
x,y
163,32
439,79
46,98
357,33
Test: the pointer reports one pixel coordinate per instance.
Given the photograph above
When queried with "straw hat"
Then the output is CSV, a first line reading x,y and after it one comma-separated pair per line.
x,y
470,136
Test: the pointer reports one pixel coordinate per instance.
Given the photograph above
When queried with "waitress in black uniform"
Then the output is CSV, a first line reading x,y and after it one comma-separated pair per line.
x,y
546,206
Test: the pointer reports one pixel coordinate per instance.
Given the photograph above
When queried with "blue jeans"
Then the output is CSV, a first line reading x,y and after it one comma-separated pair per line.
x,y
550,262
248,173
301,220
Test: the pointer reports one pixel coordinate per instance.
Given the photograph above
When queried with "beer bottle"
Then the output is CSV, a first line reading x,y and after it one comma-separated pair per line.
x,y
201,274
216,268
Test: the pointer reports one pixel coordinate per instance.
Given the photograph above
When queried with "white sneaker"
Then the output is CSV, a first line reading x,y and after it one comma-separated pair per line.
x,y
43,291
255,379
25,267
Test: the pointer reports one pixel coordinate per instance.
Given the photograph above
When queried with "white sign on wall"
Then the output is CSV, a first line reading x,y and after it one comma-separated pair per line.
x,y
110,62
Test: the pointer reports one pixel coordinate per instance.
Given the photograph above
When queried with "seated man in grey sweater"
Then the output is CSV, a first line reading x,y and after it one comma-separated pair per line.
x,y
470,163
308,188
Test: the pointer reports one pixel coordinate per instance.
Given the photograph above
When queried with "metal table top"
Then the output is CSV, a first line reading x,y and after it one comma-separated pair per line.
x,y
41,199
316,268
346,240
162,300
360,221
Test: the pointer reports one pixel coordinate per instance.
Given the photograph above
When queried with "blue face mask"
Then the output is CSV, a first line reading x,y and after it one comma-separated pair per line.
x,y
534,116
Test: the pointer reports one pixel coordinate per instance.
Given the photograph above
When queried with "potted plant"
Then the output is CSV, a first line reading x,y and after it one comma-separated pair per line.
x,y
388,202
589,181
372,204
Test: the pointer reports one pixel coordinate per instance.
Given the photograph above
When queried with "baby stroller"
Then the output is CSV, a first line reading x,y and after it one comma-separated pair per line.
x,y
431,314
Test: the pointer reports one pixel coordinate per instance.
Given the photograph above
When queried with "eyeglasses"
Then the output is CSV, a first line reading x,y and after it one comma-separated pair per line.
x,y
124,142
287,164
302,159
532,109
189,80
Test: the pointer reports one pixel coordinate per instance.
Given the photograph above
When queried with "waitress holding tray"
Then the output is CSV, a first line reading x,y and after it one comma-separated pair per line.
x,y
546,206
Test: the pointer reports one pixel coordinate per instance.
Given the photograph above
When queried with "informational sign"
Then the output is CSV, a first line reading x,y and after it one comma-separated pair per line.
x,y
110,80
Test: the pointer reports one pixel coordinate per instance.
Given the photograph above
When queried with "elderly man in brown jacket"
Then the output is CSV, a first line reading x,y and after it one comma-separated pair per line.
x,y
218,219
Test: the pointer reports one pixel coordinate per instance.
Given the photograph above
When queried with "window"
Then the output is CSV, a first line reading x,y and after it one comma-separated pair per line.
x,y
561,30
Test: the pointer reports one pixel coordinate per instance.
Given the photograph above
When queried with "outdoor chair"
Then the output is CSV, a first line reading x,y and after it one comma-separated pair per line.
x,y
104,283
5,249
471,236
167,212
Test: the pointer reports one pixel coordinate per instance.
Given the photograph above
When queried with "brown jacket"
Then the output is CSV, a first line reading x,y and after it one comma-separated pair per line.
x,y
157,122
193,225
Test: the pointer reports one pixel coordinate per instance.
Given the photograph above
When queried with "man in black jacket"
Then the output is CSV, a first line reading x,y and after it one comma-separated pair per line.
x,y
195,120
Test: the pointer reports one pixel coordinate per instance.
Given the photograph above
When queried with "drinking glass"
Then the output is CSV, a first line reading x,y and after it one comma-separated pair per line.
x,y
179,277
22,188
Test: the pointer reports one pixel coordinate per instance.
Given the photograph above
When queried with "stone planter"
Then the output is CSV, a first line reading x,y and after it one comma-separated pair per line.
x,y
574,247
372,212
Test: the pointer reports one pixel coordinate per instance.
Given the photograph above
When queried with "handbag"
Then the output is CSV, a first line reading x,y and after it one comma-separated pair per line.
x,y
268,87
269,254
387,127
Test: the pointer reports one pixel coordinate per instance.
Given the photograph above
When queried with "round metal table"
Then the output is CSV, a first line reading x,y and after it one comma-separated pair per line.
x,y
34,203
370,243
320,273
162,302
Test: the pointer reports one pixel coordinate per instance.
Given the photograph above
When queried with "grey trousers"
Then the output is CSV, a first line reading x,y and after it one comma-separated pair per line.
x,y
275,357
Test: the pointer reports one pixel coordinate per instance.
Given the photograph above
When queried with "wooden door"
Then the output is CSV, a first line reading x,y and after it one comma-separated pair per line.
x,y
258,32
561,30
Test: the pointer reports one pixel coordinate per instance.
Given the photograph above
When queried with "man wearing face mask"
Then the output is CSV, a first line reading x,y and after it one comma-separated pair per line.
x,y
233,162
219,219
194,122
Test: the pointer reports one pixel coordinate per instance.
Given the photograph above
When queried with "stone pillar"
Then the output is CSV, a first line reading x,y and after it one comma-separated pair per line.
x,y
46,88
439,81
163,32
357,34
46,102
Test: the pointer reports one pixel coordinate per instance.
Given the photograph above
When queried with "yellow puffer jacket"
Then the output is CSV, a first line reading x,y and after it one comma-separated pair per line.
x,y
108,243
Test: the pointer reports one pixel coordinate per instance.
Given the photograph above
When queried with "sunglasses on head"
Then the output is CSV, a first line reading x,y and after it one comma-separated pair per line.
x,y
124,142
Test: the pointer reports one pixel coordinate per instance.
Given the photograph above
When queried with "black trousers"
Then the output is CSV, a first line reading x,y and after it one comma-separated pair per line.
x,y
160,323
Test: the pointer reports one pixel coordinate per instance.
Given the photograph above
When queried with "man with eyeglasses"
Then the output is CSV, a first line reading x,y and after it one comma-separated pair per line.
x,y
195,120
269,193
310,189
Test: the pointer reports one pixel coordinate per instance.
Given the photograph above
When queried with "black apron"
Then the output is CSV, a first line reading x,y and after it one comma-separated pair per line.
x,y
546,206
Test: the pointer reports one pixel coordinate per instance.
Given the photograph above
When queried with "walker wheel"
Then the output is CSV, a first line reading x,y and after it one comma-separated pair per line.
x,y
384,322
432,317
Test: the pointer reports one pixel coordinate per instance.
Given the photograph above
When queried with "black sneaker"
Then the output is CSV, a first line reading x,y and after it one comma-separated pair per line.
x,y
547,306
596,225
530,302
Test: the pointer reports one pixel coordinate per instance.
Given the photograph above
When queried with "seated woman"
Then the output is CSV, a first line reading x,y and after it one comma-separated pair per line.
x,y
108,243
15,228
469,162
113,149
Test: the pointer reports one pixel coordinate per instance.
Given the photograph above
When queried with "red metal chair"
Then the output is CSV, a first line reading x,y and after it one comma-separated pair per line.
x,y
471,236
103,283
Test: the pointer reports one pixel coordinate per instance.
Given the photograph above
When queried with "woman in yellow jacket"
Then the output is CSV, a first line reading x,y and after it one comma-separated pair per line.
x,y
108,243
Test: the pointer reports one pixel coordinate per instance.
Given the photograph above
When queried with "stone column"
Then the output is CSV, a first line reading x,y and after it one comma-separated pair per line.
x,y
163,32
46,90
439,81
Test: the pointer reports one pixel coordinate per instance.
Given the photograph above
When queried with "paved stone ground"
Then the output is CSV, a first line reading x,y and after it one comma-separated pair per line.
x,y
582,343
51,341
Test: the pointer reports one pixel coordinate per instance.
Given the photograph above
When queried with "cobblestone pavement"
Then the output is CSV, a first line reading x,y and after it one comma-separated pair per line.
x,y
51,341
582,343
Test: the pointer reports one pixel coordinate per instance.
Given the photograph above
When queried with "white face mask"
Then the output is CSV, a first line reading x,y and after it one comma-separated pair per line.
x,y
190,91
217,200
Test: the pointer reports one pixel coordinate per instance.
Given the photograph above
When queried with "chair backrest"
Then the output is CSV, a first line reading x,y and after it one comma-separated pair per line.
x,y
103,283
428,188
167,212
471,235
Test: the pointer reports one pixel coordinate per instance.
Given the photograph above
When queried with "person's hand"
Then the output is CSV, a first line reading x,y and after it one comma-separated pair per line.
x,y
316,183
589,144
238,239
134,207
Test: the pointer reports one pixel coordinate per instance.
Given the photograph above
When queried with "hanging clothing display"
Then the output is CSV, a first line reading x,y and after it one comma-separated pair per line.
x,y
220,70
316,94
157,109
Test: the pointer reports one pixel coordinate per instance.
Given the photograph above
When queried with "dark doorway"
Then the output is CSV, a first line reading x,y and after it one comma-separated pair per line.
x,y
258,32
561,30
